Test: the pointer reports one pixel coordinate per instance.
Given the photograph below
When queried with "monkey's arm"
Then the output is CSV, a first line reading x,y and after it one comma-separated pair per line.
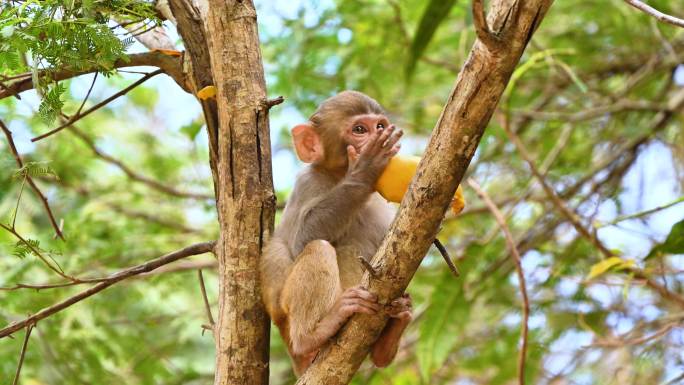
x,y
329,215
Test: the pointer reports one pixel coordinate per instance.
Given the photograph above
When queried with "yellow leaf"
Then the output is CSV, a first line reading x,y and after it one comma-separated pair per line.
x,y
206,92
612,263
395,179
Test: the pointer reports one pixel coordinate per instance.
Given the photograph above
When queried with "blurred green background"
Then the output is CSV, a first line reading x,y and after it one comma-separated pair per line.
x,y
592,101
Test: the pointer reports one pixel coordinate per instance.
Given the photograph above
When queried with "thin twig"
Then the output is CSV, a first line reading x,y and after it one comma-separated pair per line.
x,y
481,28
195,249
676,380
29,328
16,207
622,105
498,216
206,300
42,286
656,13
614,343
183,266
152,183
30,181
56,267
270,103
445,255
176,267
96,107
367,266
641,213
399,21
574,219
78,112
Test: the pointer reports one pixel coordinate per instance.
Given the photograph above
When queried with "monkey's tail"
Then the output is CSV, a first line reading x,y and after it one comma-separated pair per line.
x,y
275,265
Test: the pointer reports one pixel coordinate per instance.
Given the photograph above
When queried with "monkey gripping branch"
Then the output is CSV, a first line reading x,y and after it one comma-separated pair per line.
x,y
502,38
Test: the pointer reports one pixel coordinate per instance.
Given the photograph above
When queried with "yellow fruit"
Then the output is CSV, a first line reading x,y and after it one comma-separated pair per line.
x,y
206,92
395,179
168,52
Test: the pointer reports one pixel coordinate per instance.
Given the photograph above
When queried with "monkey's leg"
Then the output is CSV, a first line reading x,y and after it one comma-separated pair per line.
x,y
385,348
313,300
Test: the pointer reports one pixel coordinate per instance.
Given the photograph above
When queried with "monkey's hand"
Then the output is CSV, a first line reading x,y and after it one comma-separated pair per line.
x,y
401,308
354,300
367,165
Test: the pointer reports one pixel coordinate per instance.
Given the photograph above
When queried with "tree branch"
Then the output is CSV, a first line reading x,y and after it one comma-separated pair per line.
x,y
171,65
623,105
574,219
641,213
96,107
454,140
191,28
29,328
655,13
521,276
207,307
152,183
195,249
30,181
482,29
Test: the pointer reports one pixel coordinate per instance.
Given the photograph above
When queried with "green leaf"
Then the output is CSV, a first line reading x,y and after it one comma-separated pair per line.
x,y
35,169
434,15
674,244
52,103
192,129
442,324
23,249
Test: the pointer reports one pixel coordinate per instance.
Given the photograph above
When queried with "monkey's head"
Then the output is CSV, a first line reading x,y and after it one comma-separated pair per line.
x,y
348,118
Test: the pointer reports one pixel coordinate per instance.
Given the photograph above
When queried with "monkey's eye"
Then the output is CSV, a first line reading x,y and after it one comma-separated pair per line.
x,y
359,129
381,125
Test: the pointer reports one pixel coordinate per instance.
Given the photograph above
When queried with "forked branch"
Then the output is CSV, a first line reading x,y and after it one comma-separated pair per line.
x,y
199,248
656,13
30,181
510,243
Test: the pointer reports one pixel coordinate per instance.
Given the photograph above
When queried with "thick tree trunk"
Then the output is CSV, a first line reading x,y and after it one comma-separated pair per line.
x,y
245,198
473,99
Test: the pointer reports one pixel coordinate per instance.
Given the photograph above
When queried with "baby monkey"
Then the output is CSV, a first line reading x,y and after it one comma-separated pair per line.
x,y
310,271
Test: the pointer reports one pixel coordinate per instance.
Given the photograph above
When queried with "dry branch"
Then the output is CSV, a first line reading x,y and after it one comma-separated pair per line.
x,y
656,13
29,329
576,222
99,105
510,243
191,27
30,181
195,249
207,307
132,174
453,142
482,29
171,65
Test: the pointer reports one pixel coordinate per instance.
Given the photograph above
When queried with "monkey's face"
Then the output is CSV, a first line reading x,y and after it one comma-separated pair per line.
x,y
359,129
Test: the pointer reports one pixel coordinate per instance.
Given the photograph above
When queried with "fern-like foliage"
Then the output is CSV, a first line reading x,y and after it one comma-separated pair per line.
x,y
35,169
57,35
23,249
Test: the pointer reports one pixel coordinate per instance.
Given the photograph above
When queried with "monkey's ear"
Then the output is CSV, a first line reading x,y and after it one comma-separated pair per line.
x,y
307,143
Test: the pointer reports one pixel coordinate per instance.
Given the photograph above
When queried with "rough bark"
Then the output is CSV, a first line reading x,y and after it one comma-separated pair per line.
x,y
190,25
245,200
454,140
